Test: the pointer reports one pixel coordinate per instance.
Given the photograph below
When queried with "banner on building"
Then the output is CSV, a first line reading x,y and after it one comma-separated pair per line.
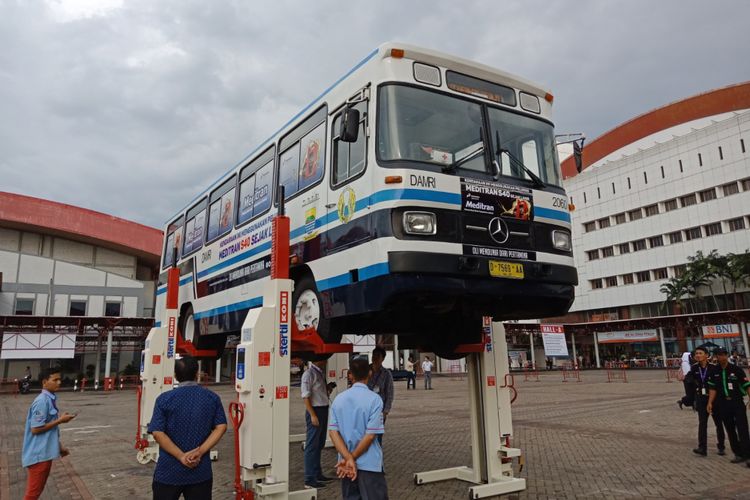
x,y
627,337
553,338
721,331
32,345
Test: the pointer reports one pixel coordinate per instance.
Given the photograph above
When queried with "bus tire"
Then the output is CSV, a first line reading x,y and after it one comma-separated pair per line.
x,y
307,309
188,330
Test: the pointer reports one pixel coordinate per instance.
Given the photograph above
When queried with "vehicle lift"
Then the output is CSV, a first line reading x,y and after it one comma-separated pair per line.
x,y
491,423
260,416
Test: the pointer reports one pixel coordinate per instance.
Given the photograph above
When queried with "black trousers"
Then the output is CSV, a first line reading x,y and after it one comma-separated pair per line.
x,y
700,403
689,398
734,417
197,491
367,486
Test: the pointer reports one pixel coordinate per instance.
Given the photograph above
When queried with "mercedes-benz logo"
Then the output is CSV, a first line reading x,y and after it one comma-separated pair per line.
x,y
498,230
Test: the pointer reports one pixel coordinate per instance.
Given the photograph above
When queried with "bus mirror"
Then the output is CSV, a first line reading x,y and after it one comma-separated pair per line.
x,y
578,155
349,125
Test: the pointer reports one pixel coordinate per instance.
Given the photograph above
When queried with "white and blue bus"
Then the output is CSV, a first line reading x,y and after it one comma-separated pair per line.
x,y
424,192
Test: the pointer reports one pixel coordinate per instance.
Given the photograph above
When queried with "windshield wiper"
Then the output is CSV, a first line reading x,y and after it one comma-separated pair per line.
x,y
469,156
499,162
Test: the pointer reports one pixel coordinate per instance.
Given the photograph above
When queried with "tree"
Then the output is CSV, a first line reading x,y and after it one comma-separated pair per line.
x,y
702,273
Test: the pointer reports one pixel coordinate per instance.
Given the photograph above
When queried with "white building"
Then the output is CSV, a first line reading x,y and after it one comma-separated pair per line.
x,y
653,192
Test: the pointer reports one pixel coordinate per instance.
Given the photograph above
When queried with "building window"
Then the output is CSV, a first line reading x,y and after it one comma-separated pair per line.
x,y
675,237
620,218
734,224
589,226
635,214
624,248
707,195
693,233
596,284
713,229
612,281
688,200
679,270
112,309
745,184
77,308
652,210
645,178
742,145
662,171
656,241
608,252
593,254
661,274
670,205
721,154
700,160
24,307
584,197
629,185
598,193
639,245
680,161
627,279
613,188
730,189
643,276
603,222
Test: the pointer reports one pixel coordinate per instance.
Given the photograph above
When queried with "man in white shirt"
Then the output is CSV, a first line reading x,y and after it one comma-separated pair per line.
x,y
427,369
315,395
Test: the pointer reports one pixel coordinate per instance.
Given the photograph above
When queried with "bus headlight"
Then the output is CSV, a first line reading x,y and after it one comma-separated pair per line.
x,y
561,240
419,223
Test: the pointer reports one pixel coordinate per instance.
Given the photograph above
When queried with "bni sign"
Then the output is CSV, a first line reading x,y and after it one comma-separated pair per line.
x,y
721,331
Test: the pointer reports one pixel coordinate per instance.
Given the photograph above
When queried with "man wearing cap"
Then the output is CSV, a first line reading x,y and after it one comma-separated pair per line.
x,y
726,387
702,371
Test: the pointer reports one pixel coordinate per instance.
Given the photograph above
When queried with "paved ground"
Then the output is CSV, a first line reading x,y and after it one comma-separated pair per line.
x,y
581,440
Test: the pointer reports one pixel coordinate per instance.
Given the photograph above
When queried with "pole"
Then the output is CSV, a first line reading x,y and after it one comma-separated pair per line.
x,y
575,354
108,359
744,333
218,370
397,361
596,350
531,345
98,358
663,346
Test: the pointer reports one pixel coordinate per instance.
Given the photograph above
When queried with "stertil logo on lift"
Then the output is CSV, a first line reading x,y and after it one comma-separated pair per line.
x,y
284,324
170,337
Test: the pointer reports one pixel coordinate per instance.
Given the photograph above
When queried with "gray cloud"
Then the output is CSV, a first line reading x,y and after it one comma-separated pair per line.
x,y
135,109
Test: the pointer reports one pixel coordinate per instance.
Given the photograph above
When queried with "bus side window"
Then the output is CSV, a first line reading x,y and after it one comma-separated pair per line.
x,y
302,154
221,210
174,238
349,159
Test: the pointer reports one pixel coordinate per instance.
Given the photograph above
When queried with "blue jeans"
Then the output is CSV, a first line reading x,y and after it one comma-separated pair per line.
x,y
314,443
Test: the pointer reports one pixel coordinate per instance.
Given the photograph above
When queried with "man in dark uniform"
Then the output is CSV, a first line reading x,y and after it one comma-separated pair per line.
x,y
726,387
702,371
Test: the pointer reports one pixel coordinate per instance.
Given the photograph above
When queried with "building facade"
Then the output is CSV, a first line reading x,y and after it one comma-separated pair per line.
x,y
654,192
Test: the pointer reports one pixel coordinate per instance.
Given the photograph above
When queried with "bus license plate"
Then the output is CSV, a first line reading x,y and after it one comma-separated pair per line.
x,y
501,269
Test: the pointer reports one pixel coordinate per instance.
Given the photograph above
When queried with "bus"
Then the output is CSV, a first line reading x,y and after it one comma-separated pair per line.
x,y
424,193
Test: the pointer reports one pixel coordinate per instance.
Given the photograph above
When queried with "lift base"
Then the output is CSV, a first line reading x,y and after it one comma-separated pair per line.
x,y
502,486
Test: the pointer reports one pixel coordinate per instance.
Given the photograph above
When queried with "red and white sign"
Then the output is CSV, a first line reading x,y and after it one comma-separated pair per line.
x,y
552,328
491,381
167,380
264,358
553,338
721,331
628,337
282,392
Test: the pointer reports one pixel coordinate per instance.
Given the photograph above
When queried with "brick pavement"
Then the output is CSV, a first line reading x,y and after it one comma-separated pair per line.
x,y
581,440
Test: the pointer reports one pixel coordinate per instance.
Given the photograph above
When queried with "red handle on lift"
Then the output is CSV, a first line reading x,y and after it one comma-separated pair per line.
x,y
140,443
237,416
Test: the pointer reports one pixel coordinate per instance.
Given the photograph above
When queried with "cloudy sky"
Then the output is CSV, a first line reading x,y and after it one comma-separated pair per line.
x,y
133,107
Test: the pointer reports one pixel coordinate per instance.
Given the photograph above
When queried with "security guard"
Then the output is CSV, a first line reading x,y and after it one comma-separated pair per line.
x,y
726,387
702,371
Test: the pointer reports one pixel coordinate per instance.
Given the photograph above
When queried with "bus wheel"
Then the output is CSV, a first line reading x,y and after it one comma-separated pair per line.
x,y
308,309
187,325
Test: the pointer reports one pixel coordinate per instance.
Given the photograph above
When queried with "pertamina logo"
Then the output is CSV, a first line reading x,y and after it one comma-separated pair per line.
x,y
284,324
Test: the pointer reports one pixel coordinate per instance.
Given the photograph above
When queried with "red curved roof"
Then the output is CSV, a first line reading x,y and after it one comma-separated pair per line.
x,y
80,224
714,102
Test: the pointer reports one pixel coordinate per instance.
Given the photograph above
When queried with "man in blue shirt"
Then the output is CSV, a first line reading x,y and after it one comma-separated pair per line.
x,y
41,438
355,421
187,422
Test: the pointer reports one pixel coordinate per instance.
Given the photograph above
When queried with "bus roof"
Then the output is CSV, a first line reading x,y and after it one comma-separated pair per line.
x,y
411,52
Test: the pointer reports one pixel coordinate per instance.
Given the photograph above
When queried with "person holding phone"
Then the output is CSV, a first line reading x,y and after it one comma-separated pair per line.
x,y
41,438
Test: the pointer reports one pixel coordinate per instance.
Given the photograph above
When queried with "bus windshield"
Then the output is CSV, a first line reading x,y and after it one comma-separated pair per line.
x,y
418,125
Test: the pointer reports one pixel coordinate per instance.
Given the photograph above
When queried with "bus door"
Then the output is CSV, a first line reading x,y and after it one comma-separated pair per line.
x,y
349,188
